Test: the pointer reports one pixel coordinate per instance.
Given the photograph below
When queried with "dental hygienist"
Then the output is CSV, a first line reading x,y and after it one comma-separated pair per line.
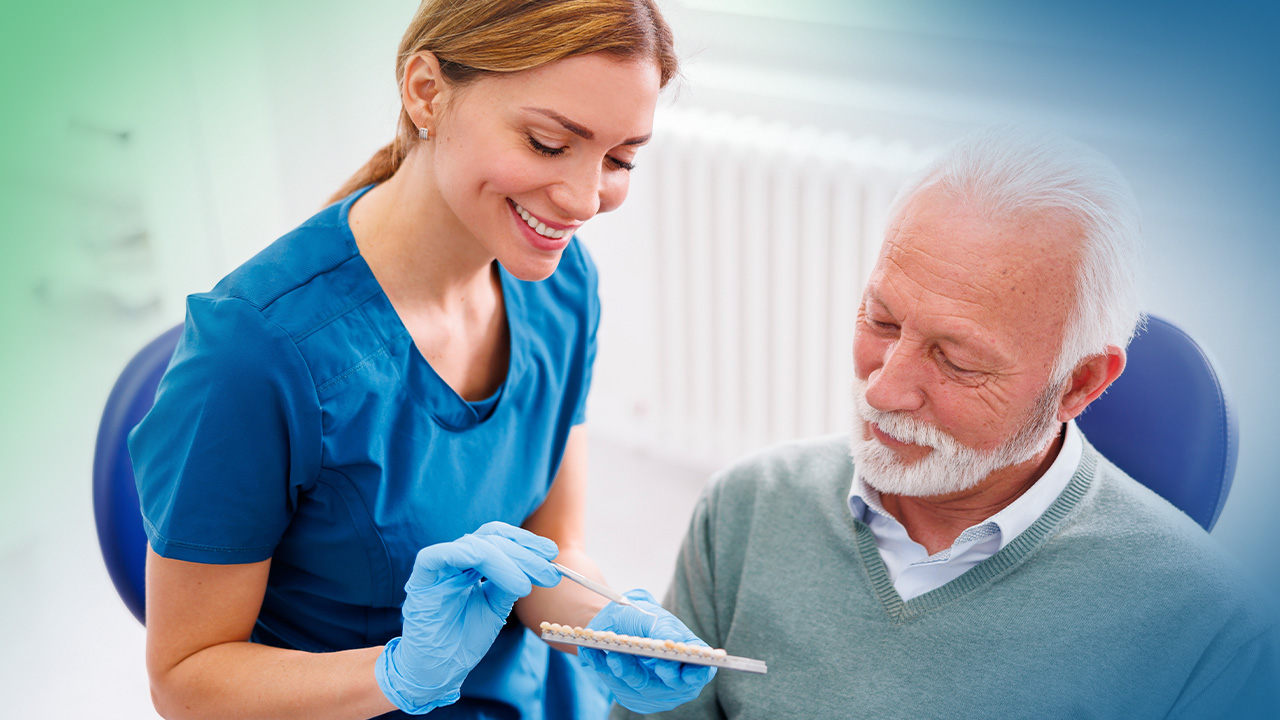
x,y
369,444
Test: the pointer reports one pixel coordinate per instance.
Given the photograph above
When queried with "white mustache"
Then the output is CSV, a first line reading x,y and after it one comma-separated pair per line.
x,y
902,427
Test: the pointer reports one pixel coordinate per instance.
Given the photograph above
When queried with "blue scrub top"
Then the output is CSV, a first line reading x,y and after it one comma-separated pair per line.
x,y
298,422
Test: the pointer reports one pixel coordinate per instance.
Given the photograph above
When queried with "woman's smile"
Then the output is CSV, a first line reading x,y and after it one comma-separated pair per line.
x,y
543,235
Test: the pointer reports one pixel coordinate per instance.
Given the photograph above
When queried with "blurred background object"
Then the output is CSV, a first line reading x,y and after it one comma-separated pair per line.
x,y
147,148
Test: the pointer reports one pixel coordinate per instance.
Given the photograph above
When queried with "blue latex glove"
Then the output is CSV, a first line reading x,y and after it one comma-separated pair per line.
x,y
642,684
451,617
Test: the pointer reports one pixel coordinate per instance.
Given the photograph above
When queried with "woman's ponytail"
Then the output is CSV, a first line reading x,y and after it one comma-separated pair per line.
x,y
380,168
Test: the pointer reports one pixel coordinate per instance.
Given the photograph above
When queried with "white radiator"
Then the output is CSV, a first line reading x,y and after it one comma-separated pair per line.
x,y
731,279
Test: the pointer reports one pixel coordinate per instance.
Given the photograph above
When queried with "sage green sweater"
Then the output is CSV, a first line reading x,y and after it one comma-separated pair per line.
x,y
1112,605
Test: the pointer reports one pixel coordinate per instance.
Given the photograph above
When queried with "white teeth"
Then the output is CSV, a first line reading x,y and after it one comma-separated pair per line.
x,y
537,225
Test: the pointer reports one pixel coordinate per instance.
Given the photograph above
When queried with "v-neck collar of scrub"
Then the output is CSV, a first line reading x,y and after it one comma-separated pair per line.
x,y
446,406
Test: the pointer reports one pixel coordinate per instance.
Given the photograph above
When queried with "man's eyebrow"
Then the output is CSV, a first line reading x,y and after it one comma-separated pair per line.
x,y
975,349
971,346
578,129
874,298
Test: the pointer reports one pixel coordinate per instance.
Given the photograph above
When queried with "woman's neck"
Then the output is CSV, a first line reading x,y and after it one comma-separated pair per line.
x,y
420,254
443,286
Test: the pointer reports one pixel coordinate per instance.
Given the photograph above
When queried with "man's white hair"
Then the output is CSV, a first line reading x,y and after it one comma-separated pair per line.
x,y
1007,171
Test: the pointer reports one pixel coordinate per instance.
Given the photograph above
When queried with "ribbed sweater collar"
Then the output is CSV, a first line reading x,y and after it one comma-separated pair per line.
x,y
1008,558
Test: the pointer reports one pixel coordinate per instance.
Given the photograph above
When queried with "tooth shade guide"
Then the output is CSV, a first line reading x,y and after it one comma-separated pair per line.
x,y
649,647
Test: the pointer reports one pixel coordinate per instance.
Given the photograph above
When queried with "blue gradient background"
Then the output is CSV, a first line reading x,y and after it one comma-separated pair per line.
x,y
1206,77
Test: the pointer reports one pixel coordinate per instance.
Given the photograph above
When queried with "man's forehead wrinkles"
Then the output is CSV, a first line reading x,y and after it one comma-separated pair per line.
x,y
961,285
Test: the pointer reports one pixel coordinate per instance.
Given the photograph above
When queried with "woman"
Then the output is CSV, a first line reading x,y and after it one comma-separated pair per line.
x,y
357,420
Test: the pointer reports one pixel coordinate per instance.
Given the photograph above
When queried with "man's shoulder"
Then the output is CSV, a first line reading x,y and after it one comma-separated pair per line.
x,y
794,482
810,465
1134,538
1124,511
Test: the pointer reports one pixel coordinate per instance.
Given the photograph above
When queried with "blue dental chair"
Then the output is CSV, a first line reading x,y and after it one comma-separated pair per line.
x,y
115,497
1168,422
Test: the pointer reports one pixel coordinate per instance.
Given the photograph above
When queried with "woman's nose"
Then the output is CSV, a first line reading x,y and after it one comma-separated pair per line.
x,y
578,195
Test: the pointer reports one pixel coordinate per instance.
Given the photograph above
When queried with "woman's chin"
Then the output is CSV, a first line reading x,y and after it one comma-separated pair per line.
x,y
532,269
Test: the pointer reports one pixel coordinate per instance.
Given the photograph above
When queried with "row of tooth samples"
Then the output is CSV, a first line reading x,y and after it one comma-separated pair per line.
x,y
631,640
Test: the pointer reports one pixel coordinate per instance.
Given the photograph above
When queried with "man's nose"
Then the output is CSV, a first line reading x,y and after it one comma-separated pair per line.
x,y
897,383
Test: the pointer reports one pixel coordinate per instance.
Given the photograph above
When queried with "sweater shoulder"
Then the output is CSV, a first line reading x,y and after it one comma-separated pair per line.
x,y
780,490
1136,539
1124,511
802,467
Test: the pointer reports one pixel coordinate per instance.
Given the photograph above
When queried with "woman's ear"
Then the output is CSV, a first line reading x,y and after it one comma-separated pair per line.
x,y
423,90
1090,378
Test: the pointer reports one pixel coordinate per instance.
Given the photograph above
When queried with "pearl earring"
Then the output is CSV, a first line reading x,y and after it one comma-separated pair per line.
x,y
424,133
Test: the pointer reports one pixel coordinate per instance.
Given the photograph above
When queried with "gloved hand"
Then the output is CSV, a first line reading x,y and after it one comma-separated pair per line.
x,y
459,596
642,684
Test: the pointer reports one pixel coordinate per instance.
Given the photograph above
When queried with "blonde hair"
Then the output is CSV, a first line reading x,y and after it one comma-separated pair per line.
x,y
472,38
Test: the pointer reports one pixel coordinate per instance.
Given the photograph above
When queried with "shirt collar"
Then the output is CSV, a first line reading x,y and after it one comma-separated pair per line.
x,y
1014,518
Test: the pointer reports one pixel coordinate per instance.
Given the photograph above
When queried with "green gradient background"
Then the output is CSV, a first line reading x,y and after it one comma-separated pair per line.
x,y
75,76
57,61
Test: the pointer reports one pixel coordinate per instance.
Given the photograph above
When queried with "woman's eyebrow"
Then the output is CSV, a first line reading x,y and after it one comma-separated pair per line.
x,y
578,129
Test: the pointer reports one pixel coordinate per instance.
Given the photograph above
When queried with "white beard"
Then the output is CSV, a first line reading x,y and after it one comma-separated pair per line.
x,y
949,467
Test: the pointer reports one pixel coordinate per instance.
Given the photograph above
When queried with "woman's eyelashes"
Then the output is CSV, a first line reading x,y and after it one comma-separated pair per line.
x,y
548,151
544,149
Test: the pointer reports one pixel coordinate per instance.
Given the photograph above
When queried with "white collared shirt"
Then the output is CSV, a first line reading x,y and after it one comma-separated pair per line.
x,y
915,572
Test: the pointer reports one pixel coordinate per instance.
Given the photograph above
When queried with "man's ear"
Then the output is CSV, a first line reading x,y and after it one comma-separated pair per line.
x,y
1090,378
423,90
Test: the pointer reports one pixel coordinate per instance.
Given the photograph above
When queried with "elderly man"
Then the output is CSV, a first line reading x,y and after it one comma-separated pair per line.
x,y
967,553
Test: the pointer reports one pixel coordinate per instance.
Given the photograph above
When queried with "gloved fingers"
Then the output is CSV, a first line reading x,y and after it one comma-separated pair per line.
x,y
537,568
539,545
628,669
641,598
597,660
593,659
500,601
446,590
636,622
696,675
624,620
669,627
468,552
642,595
668,671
